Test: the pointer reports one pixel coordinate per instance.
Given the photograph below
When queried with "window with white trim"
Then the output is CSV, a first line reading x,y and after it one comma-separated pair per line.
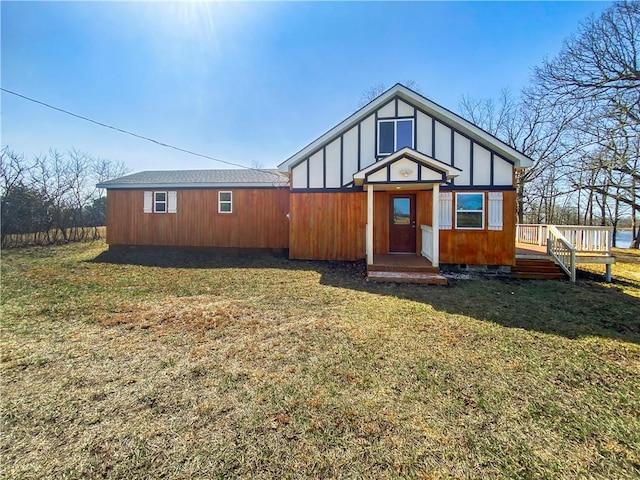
x,y
160,202
225,202
470,211
394,135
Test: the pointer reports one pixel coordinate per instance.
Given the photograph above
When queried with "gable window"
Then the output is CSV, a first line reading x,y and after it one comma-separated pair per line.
x,y
470,210
159,202
394,135
225,202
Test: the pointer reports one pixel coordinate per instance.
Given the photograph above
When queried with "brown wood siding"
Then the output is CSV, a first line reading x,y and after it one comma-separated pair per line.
x,y
482,247
328,226
380,222
259,220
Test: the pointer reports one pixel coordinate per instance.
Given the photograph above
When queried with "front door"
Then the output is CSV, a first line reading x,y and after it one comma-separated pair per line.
x,y
402,224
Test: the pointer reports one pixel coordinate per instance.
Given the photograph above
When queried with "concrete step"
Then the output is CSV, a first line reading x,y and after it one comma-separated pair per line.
x,y
407,277
403,268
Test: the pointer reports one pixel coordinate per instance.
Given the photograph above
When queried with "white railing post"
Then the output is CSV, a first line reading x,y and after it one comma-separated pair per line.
x,y
562,251
540,235
369,238
427,242
435,223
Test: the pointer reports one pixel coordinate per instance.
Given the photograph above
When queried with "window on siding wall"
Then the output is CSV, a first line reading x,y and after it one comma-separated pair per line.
x,y
160,202
225,202
394,135
470,211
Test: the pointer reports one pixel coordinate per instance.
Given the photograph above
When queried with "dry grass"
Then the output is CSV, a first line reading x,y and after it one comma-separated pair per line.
x,y
161,364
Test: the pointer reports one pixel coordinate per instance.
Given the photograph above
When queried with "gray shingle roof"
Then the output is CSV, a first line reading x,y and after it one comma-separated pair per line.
x,y
200,178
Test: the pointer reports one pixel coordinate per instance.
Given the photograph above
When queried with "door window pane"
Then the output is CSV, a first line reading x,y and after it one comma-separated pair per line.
x,y
401,211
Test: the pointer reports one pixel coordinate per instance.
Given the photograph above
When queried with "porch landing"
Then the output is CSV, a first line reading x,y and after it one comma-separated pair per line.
x,y
404,268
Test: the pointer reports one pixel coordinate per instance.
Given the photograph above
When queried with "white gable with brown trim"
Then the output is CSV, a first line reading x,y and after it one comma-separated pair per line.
x,y
403,118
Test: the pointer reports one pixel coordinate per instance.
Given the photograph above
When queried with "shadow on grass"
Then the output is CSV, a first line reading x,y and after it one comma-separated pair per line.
x,y
557,307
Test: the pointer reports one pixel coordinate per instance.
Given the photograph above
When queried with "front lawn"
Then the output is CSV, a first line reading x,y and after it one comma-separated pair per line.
x,y
161,364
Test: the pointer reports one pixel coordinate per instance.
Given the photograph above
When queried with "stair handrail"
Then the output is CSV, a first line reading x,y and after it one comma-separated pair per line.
x,y
562,251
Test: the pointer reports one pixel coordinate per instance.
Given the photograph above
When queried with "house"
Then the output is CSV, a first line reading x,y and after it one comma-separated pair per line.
x,y
402,175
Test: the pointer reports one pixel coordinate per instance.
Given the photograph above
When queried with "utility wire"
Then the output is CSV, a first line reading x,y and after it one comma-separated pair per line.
x,y
157,142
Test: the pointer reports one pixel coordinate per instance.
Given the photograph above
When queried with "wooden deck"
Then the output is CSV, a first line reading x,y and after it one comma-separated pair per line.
x,y
536,251
565,245
524,250
404,268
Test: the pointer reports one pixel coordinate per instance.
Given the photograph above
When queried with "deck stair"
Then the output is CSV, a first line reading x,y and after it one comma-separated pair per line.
x,y
541,247
537,269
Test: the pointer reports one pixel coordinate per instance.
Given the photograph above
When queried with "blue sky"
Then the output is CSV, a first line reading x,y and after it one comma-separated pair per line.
x,y
250,83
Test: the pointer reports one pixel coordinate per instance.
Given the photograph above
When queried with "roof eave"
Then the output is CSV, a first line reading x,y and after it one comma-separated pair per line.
x,y
155,186
346,124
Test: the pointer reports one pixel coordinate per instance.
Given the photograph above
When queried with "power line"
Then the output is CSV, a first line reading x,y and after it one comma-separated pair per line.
x,y
142,137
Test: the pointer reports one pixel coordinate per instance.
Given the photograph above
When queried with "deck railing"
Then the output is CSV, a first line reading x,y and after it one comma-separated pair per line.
x,y
588,239
585,239
366,244
562,251
427,242
531,234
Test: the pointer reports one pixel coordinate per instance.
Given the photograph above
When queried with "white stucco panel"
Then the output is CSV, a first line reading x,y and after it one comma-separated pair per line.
x,y
367,141
299,173
502,172
423,142
316,170
389,110
350,155
428,174
462,158
443,143
404,109
404,170
481,165
333,164
379,176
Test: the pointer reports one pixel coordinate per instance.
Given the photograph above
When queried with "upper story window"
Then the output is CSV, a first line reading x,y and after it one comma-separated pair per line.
x,y
394,135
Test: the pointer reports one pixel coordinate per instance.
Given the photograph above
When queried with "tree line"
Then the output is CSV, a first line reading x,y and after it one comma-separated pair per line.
x,y
53,197
579,121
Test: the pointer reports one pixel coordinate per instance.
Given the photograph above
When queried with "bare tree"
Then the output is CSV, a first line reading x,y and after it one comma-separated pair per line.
x,y
375,90
528,125
13,169
55,196
598,73
103,170
599,66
